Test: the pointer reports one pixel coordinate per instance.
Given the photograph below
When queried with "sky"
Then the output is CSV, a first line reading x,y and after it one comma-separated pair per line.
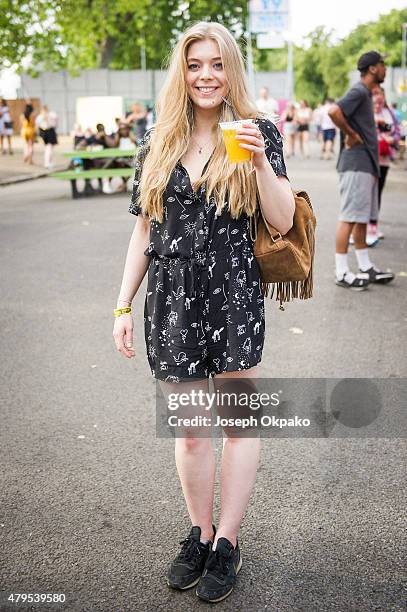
x,y
341,16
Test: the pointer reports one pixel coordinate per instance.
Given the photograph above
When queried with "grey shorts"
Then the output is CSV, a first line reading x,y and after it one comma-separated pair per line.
x,y
359,197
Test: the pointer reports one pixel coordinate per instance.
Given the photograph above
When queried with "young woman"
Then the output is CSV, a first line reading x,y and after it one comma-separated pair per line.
x,y
388,136
204,310
46,122
6,127
290,128
304,117
28,132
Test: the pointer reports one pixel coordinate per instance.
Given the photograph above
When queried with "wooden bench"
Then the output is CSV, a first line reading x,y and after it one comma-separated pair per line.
x,y
106,171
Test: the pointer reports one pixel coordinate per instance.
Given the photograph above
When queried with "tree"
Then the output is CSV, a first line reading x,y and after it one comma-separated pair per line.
x,y
323,68
309,78
80,34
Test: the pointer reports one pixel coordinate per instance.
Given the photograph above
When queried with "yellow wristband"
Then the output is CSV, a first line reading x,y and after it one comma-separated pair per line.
x,y
119,311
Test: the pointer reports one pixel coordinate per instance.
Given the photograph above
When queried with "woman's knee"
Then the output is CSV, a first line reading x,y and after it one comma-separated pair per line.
x,y
193,445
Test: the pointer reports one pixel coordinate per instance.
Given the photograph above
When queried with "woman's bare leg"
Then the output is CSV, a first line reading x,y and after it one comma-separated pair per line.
x,y
240,460
47,155
195,460
30,151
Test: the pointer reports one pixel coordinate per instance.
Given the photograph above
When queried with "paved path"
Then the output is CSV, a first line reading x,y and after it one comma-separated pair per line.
x,y
90,502
14,170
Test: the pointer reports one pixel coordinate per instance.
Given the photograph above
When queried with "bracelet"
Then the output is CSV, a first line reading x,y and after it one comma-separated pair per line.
x,y
119,311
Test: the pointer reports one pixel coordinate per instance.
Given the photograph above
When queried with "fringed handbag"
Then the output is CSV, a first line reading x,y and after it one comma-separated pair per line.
x,y
286,262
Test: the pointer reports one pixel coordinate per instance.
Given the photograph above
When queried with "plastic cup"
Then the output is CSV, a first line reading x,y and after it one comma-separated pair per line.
x,y
235,153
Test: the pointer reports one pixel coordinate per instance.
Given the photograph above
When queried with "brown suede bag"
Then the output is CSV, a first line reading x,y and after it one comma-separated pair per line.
x,y
286,262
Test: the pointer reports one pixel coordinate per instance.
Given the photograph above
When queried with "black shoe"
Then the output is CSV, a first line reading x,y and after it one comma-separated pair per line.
x,y
358,284
219,575
186,569
377,276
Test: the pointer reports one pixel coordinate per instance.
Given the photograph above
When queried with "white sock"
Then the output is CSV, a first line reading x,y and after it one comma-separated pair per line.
x,y
364,263
204,541
342,267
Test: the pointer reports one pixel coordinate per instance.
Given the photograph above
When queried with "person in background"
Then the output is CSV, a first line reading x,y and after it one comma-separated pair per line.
x,y
358,167
316,120
126,140
290,128
266,104
150,119
81,138
46,123
388,136
6,127
304,117
138,120
100,138
328,130
397,114
103,140
28,131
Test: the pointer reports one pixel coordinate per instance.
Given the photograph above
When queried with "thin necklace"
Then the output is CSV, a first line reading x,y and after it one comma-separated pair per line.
x,y
200,147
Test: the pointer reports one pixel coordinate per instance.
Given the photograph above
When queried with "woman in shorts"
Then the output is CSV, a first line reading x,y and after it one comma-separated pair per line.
x,y
46,123
6,127
290,128
304,117
28,132
204,308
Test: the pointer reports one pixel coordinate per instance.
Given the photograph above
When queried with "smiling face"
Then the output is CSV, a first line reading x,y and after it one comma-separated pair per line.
x,y
205,76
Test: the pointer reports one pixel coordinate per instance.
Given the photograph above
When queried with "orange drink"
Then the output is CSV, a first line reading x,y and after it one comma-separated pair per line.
x,y
235,153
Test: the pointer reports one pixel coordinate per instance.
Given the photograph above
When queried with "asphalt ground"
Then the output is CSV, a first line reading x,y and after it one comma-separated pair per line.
x,y
91,505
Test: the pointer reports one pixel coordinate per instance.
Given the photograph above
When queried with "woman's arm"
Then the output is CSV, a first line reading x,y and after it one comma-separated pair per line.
x,y
136,263
276,197
134,270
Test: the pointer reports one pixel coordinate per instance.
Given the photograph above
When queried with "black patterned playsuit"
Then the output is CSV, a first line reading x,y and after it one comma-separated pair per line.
x,y
204,309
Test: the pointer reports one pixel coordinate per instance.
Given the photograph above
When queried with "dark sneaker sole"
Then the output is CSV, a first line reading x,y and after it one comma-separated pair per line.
x,y
347,286
226,594
383,281
184,588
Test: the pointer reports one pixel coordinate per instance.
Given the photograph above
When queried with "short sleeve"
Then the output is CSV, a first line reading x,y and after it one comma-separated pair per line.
x,y
350,101
135,208
274,146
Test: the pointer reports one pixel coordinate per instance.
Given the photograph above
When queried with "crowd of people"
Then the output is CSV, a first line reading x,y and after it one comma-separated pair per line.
x,y
299,123
129,131
372,136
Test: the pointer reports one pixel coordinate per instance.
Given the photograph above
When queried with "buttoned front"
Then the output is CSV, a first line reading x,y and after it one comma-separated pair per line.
x,y
204,309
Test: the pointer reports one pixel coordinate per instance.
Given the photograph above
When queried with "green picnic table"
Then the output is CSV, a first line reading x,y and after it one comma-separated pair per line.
x,y
110,156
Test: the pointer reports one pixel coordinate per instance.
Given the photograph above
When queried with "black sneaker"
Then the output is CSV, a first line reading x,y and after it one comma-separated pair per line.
x,y
186,569
359,283
219,575
377,276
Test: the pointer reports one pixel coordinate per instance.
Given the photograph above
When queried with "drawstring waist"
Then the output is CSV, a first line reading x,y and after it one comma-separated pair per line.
x,y
193,269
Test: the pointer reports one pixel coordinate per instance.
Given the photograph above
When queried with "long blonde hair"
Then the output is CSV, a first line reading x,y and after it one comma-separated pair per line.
x,y
170,138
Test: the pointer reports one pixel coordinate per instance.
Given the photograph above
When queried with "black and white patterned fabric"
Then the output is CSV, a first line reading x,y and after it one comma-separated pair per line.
x,y
204,309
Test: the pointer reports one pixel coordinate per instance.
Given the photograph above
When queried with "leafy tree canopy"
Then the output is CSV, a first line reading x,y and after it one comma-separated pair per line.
x,y
84,34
